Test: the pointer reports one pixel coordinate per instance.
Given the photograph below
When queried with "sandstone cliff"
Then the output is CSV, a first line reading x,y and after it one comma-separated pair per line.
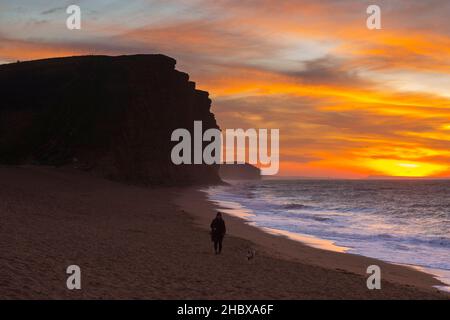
x,y
236,171
110,115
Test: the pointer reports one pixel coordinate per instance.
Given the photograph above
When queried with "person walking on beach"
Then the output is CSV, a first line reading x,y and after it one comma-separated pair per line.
x,y
218,231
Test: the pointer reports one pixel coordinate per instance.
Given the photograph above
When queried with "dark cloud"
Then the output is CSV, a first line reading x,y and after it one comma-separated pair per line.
x,y
53,10
327,71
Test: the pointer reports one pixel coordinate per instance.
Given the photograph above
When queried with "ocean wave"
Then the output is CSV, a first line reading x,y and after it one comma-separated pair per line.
x,y
293,206
386,220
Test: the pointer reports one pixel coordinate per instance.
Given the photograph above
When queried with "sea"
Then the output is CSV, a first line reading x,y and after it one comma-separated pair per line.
x,y
399,221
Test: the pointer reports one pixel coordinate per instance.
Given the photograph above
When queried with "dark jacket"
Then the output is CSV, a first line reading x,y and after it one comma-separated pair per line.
x,y
218,229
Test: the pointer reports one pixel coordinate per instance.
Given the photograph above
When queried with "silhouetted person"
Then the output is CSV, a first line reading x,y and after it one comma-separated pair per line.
x,y
218,231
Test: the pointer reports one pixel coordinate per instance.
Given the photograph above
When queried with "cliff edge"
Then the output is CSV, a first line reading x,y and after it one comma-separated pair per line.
x,y
236,171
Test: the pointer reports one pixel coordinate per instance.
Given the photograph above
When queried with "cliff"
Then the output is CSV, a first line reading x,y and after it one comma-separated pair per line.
x,y
110,115
239,172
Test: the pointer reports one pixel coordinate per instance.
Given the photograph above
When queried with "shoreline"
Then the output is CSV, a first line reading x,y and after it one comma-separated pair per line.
x,y
442,276
133,242
306,249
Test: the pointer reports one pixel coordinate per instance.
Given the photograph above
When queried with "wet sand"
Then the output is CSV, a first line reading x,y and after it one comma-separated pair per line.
x,y
141,243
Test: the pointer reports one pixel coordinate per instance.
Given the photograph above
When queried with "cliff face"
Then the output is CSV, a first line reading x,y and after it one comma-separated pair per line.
x,y
111,115
236,171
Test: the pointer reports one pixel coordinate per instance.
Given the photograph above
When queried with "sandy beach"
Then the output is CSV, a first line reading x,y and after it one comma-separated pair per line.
x,y
133,242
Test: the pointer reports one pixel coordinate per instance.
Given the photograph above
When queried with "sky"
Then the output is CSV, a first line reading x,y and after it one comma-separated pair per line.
x,y
349,102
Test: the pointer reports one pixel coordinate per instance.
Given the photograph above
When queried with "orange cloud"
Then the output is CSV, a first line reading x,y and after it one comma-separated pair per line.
x,y
11,50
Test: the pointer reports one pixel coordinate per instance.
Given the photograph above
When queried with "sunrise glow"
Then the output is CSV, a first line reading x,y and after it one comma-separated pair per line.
x,y
349,102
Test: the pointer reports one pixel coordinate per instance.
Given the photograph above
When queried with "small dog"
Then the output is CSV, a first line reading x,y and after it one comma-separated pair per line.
x,y
251,254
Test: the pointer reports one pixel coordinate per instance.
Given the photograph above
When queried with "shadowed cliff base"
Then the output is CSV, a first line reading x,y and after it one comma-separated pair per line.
x,y
109,115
